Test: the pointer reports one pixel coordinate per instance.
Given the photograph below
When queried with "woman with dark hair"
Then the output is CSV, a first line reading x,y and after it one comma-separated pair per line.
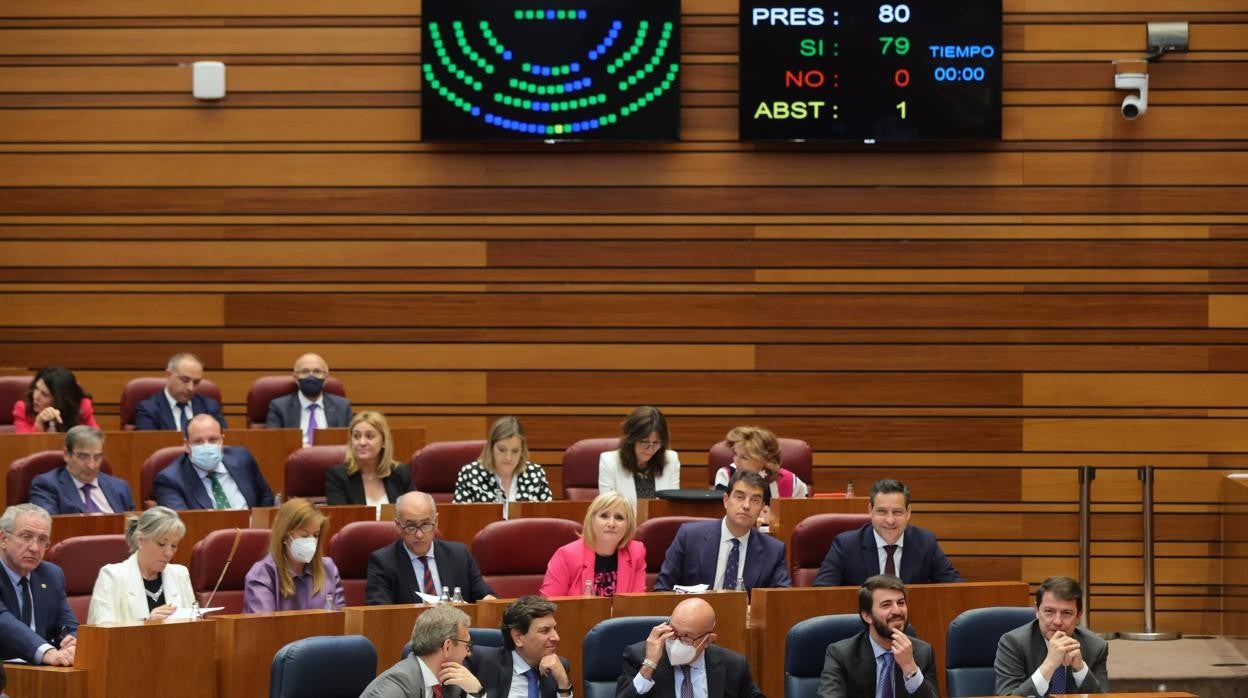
x,y
642,464
54,402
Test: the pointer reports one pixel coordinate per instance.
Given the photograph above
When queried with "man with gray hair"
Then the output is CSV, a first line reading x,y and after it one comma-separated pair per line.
x,y
419,562
78,486
435,668
36,623
171,409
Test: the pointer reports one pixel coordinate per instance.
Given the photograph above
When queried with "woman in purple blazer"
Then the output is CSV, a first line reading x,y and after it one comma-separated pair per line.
x,y
606,560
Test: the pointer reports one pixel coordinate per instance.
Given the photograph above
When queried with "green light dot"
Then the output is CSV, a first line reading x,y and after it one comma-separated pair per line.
x,y
526,67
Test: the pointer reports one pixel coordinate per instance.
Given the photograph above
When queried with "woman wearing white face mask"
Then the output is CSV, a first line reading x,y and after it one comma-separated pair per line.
x,y
294,576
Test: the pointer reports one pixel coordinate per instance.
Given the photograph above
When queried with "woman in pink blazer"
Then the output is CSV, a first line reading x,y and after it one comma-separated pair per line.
x,y
606,560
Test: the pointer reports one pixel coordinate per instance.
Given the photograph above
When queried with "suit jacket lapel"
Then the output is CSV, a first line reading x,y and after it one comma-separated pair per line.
x,y
448,566
709,555
716,673
69,492
407,576
242,479
136,599
112,493
294,411
505,671
870,553
753,561
355,487
665,678
195,485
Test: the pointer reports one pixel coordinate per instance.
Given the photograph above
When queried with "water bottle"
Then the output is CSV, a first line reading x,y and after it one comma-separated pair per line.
x,y
458,596
588,587
849,488
329,601
446,595
740,586
196,614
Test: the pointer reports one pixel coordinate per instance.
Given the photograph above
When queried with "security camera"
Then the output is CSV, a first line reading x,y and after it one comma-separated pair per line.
x,y
1133,106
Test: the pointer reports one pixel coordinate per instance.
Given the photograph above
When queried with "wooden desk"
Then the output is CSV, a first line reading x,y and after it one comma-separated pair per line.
x,y
338,515
147,659
72,525
575,616
730,612
569,509
932,608
246,643
45,681
654,508
199,523
389,628
460,522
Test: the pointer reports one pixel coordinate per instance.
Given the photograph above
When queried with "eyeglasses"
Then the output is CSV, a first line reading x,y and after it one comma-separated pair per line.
x,y
28,538
305,372
95,457
692,639
650,445
411,528
467,643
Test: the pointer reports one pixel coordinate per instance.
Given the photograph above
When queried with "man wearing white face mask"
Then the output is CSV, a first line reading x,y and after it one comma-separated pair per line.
x,y
211,475
680,659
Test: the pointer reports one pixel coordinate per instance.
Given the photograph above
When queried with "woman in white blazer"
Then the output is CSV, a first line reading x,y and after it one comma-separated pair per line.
x,y
642,465
146,586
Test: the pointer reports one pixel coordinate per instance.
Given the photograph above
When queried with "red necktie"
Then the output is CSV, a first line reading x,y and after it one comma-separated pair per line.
x,y
428,581
437,690
890,567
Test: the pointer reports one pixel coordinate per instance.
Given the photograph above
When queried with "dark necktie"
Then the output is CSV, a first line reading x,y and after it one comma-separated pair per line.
x,y
1057,684
531,674
428,584
885,687
730,569
28,603
686,686
311,422
88,505
185,409
890,567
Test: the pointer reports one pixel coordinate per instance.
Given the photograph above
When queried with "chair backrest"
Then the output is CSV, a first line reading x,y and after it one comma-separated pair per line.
x,y
812,537
81,558
325,666
306,468
604,645
435,467
140,389
481,637
971,647
24,470
158,461
580,466
795,455
657,535
513,555
265,389
12,389
350,548
209,556
805,646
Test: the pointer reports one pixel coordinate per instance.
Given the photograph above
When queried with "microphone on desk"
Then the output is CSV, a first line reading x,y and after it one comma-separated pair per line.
x,y
238,535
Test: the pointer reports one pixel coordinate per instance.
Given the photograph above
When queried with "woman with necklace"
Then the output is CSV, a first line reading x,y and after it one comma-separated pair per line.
x,y
146,586
643,464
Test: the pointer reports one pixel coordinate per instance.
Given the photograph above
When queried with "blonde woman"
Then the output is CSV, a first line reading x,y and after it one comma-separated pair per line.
x,y
294,576
606,560
503,471
146,586
371,475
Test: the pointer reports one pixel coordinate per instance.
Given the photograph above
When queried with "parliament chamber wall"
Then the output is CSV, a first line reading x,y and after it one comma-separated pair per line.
x,y
978,319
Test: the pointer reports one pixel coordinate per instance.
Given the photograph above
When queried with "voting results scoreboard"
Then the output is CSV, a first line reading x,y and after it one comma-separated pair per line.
x,y
871,72
542,70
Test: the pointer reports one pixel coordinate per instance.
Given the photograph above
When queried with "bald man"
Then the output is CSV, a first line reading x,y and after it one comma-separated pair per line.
x,y
418,561
310,403
683,650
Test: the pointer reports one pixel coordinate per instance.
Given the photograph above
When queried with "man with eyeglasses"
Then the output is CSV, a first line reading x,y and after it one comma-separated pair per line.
x,y
680,658
420,562
1052,654
722,554
78,487
36,623
435,668
309,408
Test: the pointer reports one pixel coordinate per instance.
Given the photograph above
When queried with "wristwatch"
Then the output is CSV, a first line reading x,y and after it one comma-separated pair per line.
x,y
912,674
564,691
650,663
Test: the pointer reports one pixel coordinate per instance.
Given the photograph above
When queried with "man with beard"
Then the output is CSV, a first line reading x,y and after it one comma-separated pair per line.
x,y
880,661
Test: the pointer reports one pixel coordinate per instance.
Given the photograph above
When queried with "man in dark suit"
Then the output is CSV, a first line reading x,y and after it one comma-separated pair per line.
x,y
440,647
887,545
1052,654
78,487
710,552
171,408
528,654
420,562
211,475
882,654
36,623
310,404
681,651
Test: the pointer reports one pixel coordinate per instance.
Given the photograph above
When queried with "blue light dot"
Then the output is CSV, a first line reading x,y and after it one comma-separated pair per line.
x,y
593,55
585,82
617,24
581,14
546,72
476,111
576,67
550,14
613,33
507,55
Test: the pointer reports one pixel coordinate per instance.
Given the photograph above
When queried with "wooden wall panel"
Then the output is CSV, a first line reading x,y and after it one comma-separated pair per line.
x,y
978,319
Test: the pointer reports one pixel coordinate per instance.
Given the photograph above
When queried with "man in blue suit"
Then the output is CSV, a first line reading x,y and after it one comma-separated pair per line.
x,y
36,623
211,475
886,545
171,408
78,487
721,553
